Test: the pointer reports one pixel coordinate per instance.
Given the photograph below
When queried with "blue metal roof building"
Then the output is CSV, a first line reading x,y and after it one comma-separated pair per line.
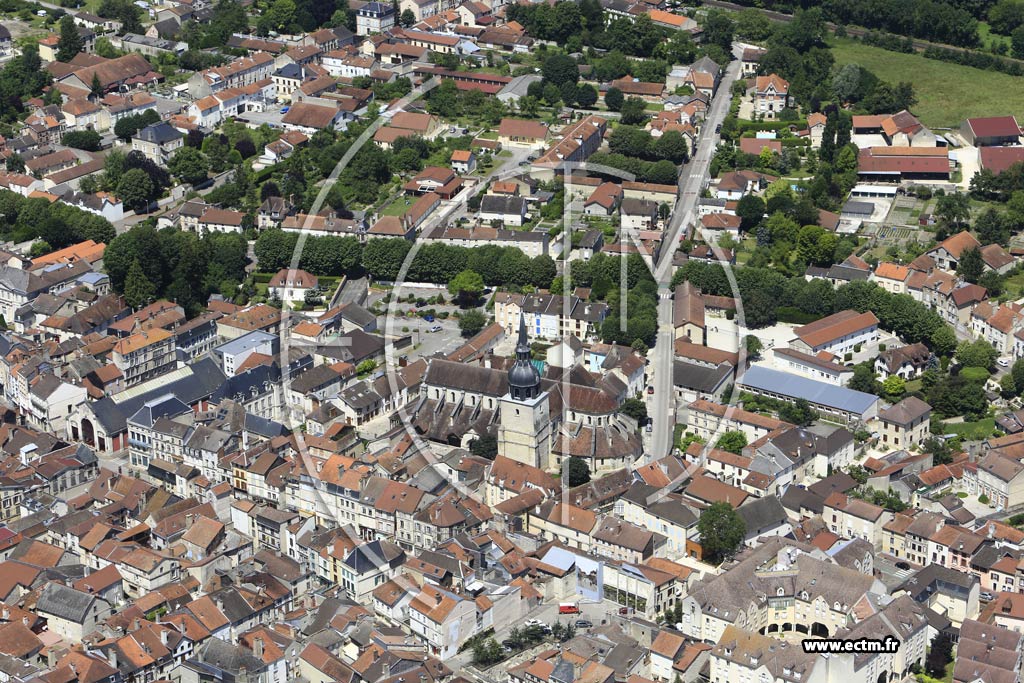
x,y
829,400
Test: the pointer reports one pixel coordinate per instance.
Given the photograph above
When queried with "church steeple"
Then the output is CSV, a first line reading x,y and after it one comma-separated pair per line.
x,y
523,377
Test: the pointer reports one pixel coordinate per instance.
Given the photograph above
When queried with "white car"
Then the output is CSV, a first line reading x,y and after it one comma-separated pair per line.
x,y
1003,362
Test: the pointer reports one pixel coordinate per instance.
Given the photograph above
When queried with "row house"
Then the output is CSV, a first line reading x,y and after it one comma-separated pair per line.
x,y
707,419
238,73
549,316
212,110
997,324
853,518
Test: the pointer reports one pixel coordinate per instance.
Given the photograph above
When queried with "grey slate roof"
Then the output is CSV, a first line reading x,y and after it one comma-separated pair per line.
x,y
201,383
159,133
65,602
762,514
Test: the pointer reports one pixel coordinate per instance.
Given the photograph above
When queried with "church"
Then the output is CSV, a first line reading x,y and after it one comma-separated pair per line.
x,y
538,413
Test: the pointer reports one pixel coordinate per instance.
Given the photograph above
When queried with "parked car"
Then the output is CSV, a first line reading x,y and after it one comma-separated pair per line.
x,y
434,328
903,565
584,623
650,389
429,318
986,596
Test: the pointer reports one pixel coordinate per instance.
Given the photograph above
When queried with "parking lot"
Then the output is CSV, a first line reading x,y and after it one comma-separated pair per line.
x,y
429,337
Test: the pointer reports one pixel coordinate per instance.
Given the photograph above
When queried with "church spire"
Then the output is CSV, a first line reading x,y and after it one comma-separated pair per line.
x,y
523,344
523,376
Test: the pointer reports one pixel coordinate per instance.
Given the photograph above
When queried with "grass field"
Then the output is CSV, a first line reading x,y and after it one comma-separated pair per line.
x,y
947,93
972,431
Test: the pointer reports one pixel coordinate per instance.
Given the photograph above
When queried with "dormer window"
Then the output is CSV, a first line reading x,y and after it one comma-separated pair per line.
x,y
779,591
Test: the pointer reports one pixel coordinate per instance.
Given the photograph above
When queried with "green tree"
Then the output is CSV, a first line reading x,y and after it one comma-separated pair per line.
x,y
408,18
466,287
953,209
942,453
635,408
894,387
754,346
577,471
15,163
939,656
734,442
633,111
672,146
39,248
750,209
189,165
798,412
976,354
614,99
136,189
864,379
70,42
88,140
485,446
586,96
471,322
971,266
560,68
1017,372
138,289
721,532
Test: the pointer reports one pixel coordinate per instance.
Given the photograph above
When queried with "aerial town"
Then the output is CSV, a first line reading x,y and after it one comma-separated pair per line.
x,y
487,341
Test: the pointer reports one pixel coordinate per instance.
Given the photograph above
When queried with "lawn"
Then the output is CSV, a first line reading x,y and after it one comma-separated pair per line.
x,y
947,93
1015,283
397,207
973,431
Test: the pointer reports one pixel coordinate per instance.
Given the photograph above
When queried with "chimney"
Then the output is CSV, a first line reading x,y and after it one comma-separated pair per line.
x,y
112,657
136,624
163,637
6,615
257,647
189,519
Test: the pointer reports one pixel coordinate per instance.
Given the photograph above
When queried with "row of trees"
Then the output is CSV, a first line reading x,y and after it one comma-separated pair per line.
x,y
383,259
145,264
763,291
933,20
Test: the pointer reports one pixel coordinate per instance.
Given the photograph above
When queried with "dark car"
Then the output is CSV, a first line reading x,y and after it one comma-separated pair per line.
x,y
718,129
509,644
903,565
584,623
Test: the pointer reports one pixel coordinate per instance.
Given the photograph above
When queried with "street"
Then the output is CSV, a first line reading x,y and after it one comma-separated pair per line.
x,y
692,179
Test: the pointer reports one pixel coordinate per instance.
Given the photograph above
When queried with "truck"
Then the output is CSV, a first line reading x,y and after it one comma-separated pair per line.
x,y
568,608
